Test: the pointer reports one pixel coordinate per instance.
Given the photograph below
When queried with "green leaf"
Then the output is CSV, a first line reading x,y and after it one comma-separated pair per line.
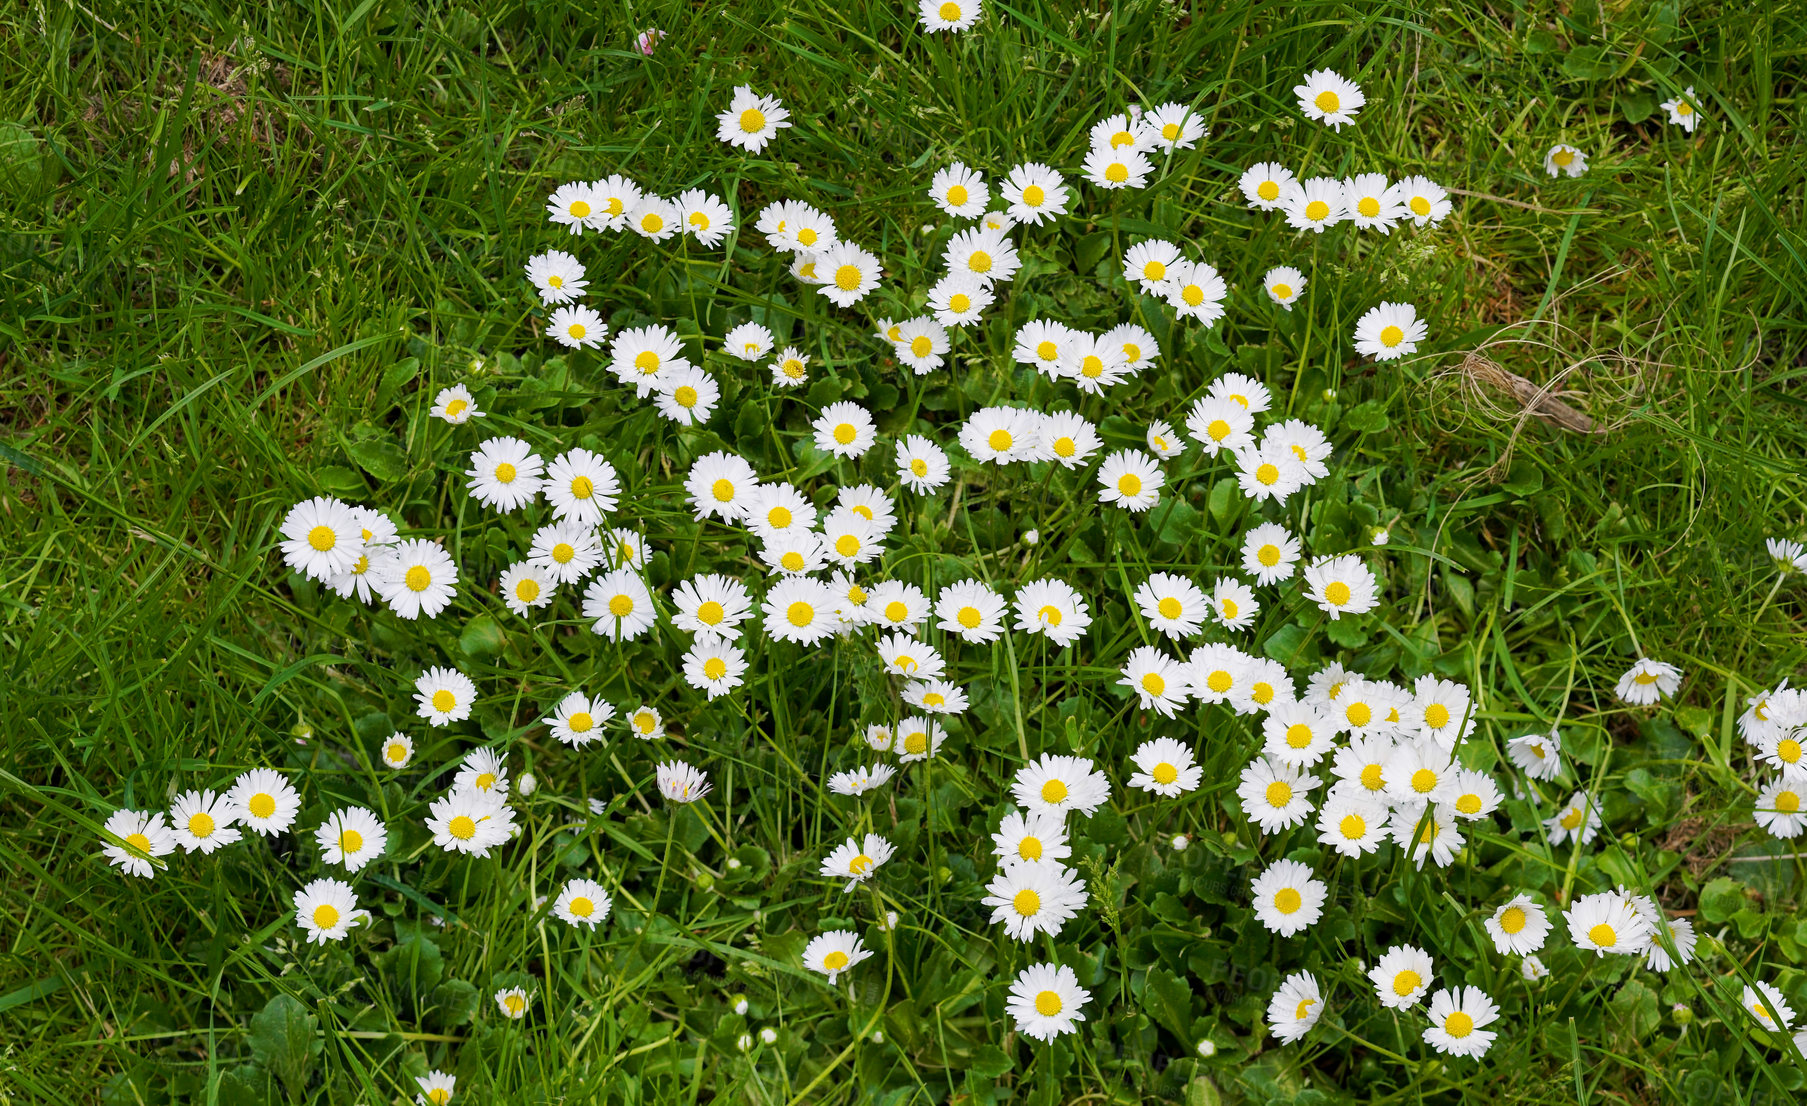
x,y
1540,41
989,1062
415,963
1167,999
1525,477
1091,249
394,378
1587,63
245,1085
1634,1008
1283,644
1224,499
1637,106
1350,633
1367,418
339,480
482,637
1721,899
380,457
282,1040
454,1002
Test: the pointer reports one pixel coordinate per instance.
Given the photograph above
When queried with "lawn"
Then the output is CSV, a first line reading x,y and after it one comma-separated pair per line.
x,y
247,250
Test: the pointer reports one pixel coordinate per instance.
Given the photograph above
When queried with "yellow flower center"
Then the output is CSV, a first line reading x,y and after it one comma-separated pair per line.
x,y
1116,172
1268,190
699,220
1133,353
917,743
919,467
1219,429
933,699
1603,936
583,487
800,614
580,209
576,331
1288,900
1436,716
613,205
710,613
1789,750
1317,211
1124,138
685,396
1262,693
835,960
582,907
1171,132
1370,777
515,1004
1368,206
979,262
1337,594
439,1096
1298,735
652,222
1054,791
1153,270
714,668
1788,802
960,302
1165,773
969,617
950,12
1358,714
326,915
1065,447
847,545
1282,290
921,346
1029,848
793,368
1229,608
1050,615
1153,684
1469,804
396,752
1091,366
1129,484
1512,920
807,236
140,842
580,722
1219,680
845,433
1027,903
1563,158
200,824
999,440
1406,982
1391,336
1458,1024
322,538
1327,101
462,827
1047,351
1424,781
847,277
621,606
1193,295
1571,818
860,865
1279,793
752,121
444,701
351,841
262,805
1033,195
486,781
1420,206
418,578
791,561
1353,826
956,196
1684,108
1169,607
905,663
1047,1004
1267,473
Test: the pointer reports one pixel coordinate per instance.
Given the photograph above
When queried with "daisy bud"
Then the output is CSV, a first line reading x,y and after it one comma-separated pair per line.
x,y
878,1036
527,784
740,1004
769,1035
733,863
1179,842
1207,1048
1681,1013
1032,537
744,1042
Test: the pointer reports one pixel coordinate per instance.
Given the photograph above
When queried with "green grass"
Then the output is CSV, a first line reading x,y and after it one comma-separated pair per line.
x,y
241,256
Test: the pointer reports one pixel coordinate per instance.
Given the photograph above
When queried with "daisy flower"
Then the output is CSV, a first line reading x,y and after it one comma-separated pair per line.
x,y
380,537
1401,976
844,429
1034,193
1216,671
1681,935
971,610
643,357
1351,824
444,695
619,605
918,739
202,821
611,199
861,780
1297,734
327,909
655,218
958,299
712,605
1427,830
483,771
1173,126
790,368
578,719
398,750
1295,1007
1474,795
1440,711
905,656
718,485
1001,435
935,696
1765,1002
1116,168
1195,291
576,327
1130,479
1419,772
1306,443
810,229
1053,608
998,221
505,474
416,578
1165,767
1173,605
1341,585
1563,159
644,723
623,547
1162,441
1233,604
1042,344
1457,1015
714,665
1389,331
751,120
1329,98
144,835
512,1002
582,902
1057,784
848,273
896,605
556,275
1287,898
1314,204
1219,423
1648,681
856,861
748,341
834,952
1531,969
1158,680
1519,927
1147,262
1092,365
1275,796
687,396
922,465
1579,819
681,783
1269,552
1284,285
982,254
793,552
435,1088
1268,471
1537,755
572,205
1788,555
1369,204
322,538
1045,999
353,837
922,345
1420,199
704,217
1778,810
800,609
960,191
1682,111
1136,345
263,801
1030,837
1065,438
580,486
565,551
1263,685
1607,922
1266,184
948,15
1121,133
1034,896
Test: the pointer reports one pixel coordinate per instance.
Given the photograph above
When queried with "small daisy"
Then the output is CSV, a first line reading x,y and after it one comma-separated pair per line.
x,y
1765,1002
1065,438
1329,98
505,474
790,368
353,837
582,902
1402,976
1352,825
1057,784
918,739
1473,795
1284,285
483,771
844,429
1456,1016
1607,922
1028,837
1314,204
1341,585
580,486
922,345
704,217
1233,604
322,538
1162,441
1779,809
1564,159
145,834
1043,344
620,607
1130,479
681,783
1275,796
718,485
1369,204
1537,755
1422,200
203,821
1287,898
971,610
1648,681
982,254
1532,969
1419,772
435,1088
959,299
748,341
714,665
1427,830
1263,686
1045,999
1173,126
578,719
1196,291
1091,365
751,120
935,696
960,191
1001,435
861,780
512,1002
1579,819
948,15
417,577
327,909
1219,423
834,952
848,273
1681,935
611,199
1173,605
1265,185
643,357
712,605
1518,927
1682,111
1389,331
572,206
645,723
903,655
1165,767
1297,734
896,605
800,609
1034,193
856,861
624,547
687,396
1147,263
264,802
1158,680
1295,1007
576,327
1116,168
1307,444
557,276
922,466
1269,553
1053,608
1035,896
1439,711
565,551
398,750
